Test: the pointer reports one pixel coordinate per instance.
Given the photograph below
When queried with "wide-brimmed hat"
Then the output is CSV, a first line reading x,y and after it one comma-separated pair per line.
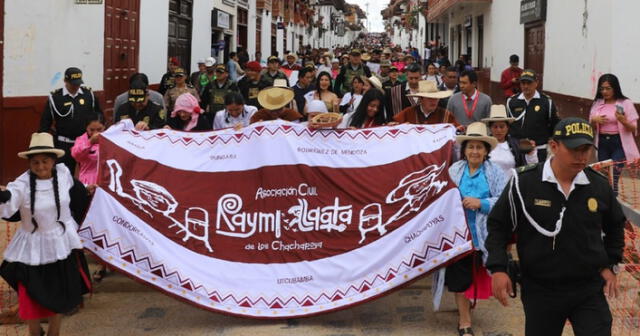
x,y
376,83
275,97
498,113
209,62
295,57
280,82
366,57
387,50
429,89
41,143
477,131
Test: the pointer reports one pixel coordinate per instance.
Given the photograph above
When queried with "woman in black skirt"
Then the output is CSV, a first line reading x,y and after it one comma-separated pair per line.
x,y
44,262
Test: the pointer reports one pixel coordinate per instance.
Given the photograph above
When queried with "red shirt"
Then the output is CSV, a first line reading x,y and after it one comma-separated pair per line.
x,y
506,83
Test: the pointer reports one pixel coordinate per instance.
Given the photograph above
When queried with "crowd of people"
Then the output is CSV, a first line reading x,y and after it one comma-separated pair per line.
x,y
367,87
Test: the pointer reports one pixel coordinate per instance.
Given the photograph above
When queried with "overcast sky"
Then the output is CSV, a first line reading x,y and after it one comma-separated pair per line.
x,y
374,17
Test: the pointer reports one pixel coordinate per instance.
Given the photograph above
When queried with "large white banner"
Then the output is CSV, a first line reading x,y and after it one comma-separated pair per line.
x,y
276,220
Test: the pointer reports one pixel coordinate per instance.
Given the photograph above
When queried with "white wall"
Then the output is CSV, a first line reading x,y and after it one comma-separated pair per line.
x,y
266,35
422,33
201,32
154,42
252,29
279,40
43,38
625,46
503,36
574,57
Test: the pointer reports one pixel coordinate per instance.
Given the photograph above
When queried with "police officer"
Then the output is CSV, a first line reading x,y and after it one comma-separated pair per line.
x,y
69,108
249,85
271,73
535,113
570,234
144,113
355,68
180,86
166,82
393,78
385,68
213,95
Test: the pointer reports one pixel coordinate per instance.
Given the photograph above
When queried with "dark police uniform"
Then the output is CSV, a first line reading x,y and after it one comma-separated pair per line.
x,y
266,79
153,114
213,96
345,77
534,121
166,82
249,90
68,116
560,275
389,84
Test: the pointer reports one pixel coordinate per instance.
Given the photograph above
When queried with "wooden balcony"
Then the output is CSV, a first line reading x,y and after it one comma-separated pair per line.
x,y
263,5
439,7
277,8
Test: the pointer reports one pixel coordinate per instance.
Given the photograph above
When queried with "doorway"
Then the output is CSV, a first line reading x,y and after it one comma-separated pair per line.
x,y
180,20
534,49
121,33
480,21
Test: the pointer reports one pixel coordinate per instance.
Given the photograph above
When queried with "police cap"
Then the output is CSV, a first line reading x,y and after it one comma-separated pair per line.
x,y
573,132
73,76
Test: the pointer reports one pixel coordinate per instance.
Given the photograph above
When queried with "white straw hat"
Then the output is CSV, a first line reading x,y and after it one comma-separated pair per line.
x,y
429,89
274,98
477,131
41,143
498,113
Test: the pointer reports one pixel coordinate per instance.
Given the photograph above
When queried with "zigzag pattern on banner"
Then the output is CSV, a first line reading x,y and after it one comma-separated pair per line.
x,y
269,130
415,260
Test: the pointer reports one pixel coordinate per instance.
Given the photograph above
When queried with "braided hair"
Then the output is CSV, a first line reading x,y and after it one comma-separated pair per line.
x,y
56,194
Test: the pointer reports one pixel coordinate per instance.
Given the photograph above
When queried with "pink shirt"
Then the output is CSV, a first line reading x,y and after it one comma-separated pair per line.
x,y
609,111
86,154
627,138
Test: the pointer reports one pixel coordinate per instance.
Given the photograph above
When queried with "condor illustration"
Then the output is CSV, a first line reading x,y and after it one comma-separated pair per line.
x,y
414,189
155,197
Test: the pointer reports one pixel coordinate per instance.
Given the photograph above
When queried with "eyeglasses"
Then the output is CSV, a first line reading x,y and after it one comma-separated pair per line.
x,y
605,88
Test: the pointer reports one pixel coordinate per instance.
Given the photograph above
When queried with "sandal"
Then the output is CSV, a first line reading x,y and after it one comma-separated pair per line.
x,y
465,331
99,275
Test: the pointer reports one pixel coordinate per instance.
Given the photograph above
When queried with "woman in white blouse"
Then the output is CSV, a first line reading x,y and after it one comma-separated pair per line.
x,y
432,74
236,113
351,100
44,261
509,153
